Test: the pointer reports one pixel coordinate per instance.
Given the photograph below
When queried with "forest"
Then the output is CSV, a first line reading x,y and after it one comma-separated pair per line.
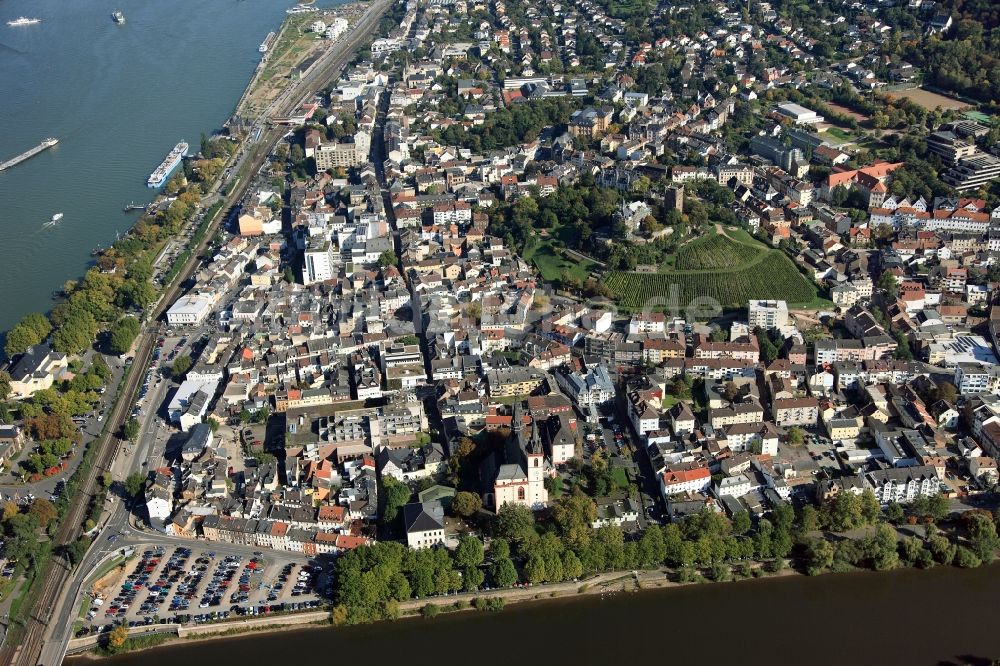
x,y
513,126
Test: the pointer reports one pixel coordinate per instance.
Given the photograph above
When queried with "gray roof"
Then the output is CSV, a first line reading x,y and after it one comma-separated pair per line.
x,y
423,516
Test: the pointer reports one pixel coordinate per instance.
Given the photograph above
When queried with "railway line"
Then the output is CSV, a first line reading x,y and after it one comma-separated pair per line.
x,y
59,572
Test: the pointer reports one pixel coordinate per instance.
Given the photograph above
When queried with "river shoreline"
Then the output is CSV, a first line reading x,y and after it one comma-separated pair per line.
x,y
602,587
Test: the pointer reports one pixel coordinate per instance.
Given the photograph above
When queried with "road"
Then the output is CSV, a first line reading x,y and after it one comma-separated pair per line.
x,y
45,641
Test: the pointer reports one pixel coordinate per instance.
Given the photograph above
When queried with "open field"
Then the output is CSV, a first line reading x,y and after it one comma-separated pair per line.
x,y
929,100
836,135
552,263
730,269
839,108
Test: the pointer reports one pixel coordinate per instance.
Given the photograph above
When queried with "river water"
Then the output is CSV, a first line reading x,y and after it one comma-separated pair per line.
x,y
118,98
911,617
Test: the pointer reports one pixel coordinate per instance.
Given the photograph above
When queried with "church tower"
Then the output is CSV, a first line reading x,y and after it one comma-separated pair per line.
x,y
534,453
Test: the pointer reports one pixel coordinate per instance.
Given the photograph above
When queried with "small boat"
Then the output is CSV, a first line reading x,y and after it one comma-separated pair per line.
x,y
119,17
57,217
23,20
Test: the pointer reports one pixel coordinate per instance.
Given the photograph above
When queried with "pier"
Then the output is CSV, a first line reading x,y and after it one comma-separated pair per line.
x,y
28,154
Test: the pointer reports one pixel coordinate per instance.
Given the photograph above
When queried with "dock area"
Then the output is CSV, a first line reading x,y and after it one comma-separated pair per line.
x,y
28,154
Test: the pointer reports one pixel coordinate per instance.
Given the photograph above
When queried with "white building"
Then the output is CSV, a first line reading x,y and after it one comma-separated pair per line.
x,y
734,486
647,322
903,484
973,378
522,481
684,479
336,28
190,403
424,524
767,314
189,310
799,114
319,262
593,388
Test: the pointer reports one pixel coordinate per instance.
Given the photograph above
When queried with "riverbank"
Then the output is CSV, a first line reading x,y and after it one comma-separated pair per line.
x,y
120,127
89,649
802,615
601,585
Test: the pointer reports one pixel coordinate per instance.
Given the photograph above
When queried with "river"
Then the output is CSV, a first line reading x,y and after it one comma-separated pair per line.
x,y
118,98
941,616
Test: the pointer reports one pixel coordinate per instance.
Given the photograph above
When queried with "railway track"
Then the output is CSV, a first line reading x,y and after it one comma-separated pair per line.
x,y
58,573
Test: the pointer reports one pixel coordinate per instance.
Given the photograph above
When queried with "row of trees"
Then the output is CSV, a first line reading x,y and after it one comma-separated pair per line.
x,y
883,550
121,280
372,580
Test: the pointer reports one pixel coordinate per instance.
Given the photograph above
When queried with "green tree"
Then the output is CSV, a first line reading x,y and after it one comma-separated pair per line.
x,y
652,548
180,366
388,258
983,538
32,329
796,436
871,510
887,282
966,558
534,569
741,522
5,387
123,334
573,515
466,504
819,556
808,519
135,484
941,549
937,507
469,552
885,554
842,513
472,579
515,522
396,495
75,551
131,429
76,333
503,573
572,567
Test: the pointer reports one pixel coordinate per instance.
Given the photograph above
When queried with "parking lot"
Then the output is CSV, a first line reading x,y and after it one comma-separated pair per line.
x,y
180,584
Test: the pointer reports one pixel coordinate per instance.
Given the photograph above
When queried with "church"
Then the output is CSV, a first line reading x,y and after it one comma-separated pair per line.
x,y
516,473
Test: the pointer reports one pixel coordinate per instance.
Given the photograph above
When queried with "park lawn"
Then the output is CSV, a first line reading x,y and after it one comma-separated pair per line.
x,y
552,264
743,236
839,134
620,477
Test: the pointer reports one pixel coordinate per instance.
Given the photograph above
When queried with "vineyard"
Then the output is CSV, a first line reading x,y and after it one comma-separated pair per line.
x,y
716,252
772,277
